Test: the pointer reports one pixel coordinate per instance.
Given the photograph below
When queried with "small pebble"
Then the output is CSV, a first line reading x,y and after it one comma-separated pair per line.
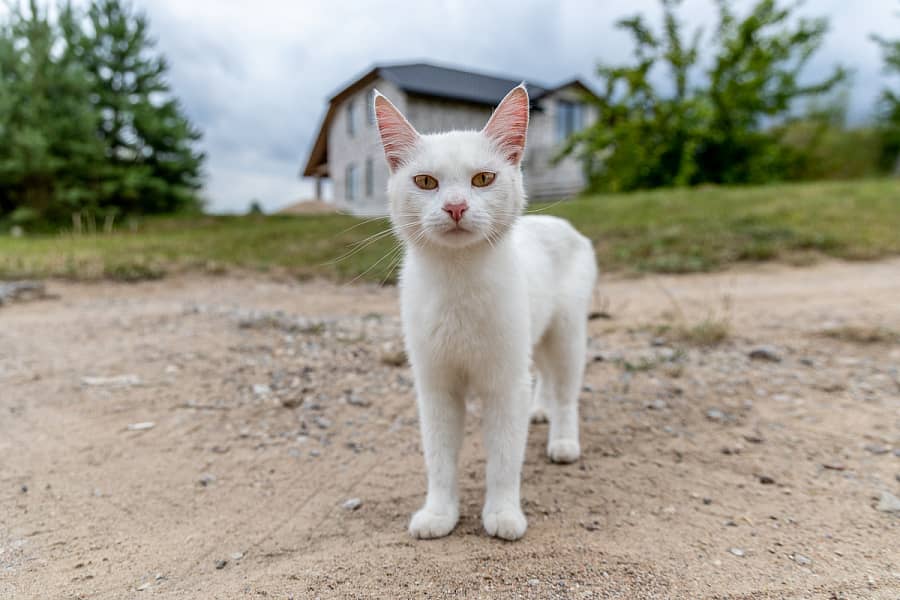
x,y
292,401
802,560
876,449
237,555
351,504
714,414
766,480
261,389
143,426
736,551
322,422
24,489
534,582
768,353
355,400
220,564
206,479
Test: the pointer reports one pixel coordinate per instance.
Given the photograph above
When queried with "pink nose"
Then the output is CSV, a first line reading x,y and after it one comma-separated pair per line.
x,y
456,210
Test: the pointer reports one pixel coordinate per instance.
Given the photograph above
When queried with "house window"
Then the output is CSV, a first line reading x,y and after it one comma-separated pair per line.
x,y
370,107
370,178
351,118
351,183
569,119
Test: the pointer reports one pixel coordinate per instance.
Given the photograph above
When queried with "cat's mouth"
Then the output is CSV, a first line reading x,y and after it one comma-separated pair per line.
x,y
456,230
454,235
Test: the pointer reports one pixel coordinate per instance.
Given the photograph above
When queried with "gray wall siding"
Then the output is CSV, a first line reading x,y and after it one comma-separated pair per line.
x,y
542,178
431,115
344,149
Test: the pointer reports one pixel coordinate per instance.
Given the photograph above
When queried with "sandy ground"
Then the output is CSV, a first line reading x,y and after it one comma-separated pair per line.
x,y
706,474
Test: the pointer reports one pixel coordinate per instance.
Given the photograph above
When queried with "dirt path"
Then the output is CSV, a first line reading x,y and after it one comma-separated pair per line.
x,y
706,474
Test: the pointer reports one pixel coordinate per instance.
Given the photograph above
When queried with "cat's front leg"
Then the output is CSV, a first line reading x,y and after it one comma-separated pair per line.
x,y
442,418
505,436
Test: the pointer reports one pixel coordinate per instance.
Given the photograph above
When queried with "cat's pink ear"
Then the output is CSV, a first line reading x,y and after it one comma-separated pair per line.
x,y
397,136
508,125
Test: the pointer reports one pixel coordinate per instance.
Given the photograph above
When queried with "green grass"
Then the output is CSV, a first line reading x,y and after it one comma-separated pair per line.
x,y
672,231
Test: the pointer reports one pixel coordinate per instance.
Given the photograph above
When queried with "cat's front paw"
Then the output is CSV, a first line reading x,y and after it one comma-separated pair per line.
x,y
507,524
426,525
563,451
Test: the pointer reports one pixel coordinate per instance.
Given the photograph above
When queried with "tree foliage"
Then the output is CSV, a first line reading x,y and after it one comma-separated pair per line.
x,y
87,120
714,122
889,105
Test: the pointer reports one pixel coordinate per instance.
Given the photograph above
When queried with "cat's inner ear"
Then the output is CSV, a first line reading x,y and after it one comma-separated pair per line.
x,y
397,136
508,125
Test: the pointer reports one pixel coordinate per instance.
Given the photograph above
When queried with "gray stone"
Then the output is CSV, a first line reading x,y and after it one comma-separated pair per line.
x,y
876,449
888,503
736,551
17,291
802,560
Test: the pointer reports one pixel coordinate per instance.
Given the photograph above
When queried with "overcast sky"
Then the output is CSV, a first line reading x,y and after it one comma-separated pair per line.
x,y
255,76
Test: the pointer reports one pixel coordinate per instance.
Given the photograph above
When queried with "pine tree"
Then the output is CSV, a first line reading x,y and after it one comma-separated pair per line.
x,y
48,147
152,164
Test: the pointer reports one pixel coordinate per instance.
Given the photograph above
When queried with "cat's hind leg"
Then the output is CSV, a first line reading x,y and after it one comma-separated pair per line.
x,y
539,403
562,358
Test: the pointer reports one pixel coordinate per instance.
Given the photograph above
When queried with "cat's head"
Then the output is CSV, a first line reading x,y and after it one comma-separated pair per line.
x,y
460,188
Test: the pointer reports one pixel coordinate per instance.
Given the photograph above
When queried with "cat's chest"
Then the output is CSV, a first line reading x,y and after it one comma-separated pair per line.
x,y
468,320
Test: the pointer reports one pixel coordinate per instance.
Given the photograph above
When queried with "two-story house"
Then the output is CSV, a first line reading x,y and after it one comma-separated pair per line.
x,y
347,148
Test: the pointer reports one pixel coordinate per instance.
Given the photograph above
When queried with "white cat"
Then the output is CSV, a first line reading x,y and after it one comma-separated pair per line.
x,y
484,293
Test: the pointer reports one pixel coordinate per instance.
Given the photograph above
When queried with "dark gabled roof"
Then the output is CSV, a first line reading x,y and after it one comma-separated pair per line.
x,y
426,80
444,82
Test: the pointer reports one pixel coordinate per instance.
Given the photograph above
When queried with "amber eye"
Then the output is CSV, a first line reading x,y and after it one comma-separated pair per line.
x,y
483,179
425,182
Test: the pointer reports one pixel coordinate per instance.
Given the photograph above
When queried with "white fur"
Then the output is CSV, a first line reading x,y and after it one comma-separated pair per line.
x,y
478,308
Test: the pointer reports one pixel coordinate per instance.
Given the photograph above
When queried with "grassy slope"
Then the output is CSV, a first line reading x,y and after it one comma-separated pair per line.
x,y
667,230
